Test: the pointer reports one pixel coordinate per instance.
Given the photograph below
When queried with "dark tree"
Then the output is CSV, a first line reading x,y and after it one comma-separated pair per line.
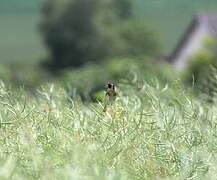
x,y
124,8
80,31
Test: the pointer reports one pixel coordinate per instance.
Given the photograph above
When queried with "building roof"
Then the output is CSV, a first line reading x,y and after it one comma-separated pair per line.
x,y
208,21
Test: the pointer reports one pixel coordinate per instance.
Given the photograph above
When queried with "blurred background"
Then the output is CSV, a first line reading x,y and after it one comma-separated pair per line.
x,y
80,44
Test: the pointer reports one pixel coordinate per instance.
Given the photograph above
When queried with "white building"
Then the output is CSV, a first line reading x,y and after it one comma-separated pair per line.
x,y
202,26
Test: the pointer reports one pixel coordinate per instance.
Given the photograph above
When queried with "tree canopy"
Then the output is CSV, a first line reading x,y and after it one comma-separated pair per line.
x,y
81,31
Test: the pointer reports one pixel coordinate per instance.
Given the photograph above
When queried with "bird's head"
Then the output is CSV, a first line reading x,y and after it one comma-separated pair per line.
x,y
110,85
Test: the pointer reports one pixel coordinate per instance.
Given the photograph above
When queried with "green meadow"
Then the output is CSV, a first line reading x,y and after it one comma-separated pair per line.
x,y
153,130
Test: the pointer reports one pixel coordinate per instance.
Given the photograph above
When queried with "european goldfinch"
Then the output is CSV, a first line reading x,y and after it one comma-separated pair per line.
x,y
110,95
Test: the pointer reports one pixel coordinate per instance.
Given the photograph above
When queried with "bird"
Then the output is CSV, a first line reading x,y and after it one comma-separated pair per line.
x,y
110,95
111,91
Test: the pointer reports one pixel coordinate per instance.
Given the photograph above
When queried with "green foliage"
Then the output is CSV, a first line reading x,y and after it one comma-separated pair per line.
x,y
123,8
81,31
199,67
201,70
28,76
70,31
90,79
138,40
99,96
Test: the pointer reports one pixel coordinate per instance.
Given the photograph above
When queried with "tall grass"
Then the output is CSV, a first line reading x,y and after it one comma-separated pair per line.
x,y
150,132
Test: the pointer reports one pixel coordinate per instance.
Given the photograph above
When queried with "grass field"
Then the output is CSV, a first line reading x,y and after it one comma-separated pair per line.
x,y
149,132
